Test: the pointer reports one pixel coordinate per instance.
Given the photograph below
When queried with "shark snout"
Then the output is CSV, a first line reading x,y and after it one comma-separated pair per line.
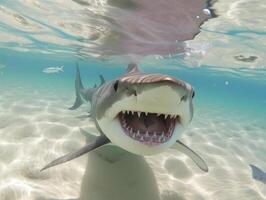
x,y
140,78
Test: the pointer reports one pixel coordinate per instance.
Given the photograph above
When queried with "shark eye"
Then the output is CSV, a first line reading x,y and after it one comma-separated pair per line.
x,y
116,86
193,94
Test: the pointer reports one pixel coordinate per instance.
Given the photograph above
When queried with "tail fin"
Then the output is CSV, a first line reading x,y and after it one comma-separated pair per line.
x,y
78,87
62,68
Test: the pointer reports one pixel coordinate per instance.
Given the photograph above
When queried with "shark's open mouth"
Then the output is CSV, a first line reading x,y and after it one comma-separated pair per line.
x,y
149,128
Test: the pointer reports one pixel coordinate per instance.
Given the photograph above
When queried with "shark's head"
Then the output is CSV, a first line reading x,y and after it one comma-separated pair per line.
x,y
144,113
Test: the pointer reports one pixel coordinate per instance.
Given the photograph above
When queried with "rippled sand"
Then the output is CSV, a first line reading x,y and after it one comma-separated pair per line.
x,y
36,127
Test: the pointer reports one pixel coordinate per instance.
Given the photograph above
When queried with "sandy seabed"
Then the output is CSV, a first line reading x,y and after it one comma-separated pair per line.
x,y
36,127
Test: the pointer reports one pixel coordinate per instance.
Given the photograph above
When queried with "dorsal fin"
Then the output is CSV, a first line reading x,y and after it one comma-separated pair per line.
x,y
132,67
102,79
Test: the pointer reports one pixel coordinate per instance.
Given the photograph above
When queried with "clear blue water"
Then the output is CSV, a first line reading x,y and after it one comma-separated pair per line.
x,y
230,100
242,94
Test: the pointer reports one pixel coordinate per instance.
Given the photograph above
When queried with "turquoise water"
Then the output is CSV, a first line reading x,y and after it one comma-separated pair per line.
x,y
222,89
225,63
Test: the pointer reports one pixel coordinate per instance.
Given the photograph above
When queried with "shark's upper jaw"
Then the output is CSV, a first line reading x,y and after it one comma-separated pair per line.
x,y
148,128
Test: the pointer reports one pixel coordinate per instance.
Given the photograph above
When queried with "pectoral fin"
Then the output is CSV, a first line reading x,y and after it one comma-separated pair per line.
x,y
190,153
99,141
89,137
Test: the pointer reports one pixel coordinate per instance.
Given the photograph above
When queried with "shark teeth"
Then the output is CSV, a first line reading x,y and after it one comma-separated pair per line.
x,y
139,113
147,136
138,134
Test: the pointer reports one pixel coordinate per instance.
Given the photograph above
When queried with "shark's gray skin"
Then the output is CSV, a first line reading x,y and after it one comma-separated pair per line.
x,y
141,113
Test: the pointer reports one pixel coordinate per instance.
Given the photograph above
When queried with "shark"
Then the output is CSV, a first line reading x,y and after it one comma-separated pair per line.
x,y
141,113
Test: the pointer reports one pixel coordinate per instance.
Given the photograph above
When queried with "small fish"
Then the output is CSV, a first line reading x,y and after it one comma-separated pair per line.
x,y
50,70
258,174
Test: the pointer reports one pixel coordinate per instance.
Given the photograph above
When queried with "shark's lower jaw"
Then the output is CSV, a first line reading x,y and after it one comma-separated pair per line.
x,y
148,128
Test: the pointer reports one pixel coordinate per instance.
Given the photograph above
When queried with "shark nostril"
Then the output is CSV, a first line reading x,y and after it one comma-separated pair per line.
x,y
132,92
184,98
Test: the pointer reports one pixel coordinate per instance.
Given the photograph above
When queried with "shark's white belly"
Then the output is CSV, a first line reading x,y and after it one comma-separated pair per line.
x,y
114,174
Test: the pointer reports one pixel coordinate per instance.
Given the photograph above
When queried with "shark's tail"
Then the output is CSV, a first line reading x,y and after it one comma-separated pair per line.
x,y
81,93
78,88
